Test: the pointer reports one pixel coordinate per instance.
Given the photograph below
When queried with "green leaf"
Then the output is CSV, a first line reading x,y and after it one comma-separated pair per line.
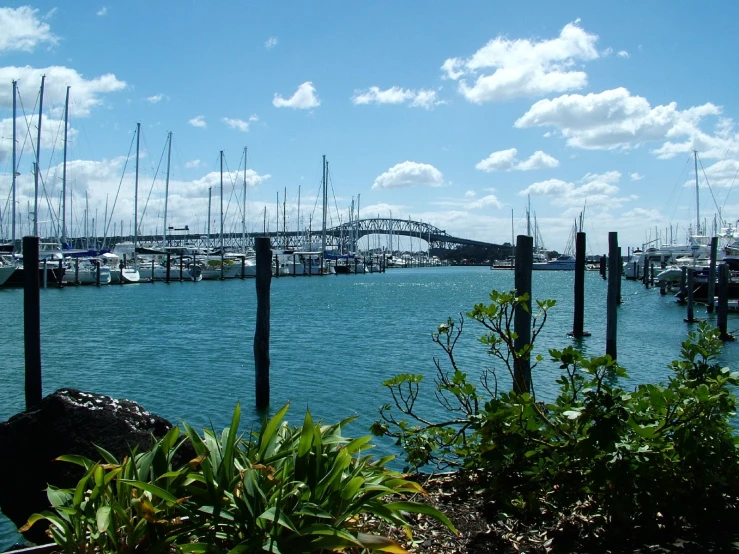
x,y
269,430
103,518
420,508
306,435
383,544
153,489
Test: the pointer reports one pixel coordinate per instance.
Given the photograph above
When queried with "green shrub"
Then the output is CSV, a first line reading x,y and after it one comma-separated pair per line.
x,y
284,490
658,455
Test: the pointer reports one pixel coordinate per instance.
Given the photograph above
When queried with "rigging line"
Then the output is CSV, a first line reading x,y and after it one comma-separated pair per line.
x,y
233,188
681,187
27,134
153,181
711,191
333,192
730,187
117,192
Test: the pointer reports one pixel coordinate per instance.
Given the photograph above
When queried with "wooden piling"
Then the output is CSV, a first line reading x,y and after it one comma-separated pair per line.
x,y
579,317
97,272
603,259
522,316
691,286
712,275
169,268
152,270
46,271
651,274
722,310
614,277
182,263
619,267
243,267
60,274
261,335
683,294
277,266
32,321
76,271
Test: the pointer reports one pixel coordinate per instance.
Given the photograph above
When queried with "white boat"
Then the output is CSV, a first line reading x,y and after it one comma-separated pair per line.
x,y
562,263
84,271
6,270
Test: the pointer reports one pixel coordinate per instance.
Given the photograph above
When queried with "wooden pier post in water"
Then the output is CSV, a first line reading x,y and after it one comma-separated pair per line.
x,y
60,274
619,267
76,271
97,272
603,259
579,318
691,285
261,335
182,263
614,277
32,321
683,293
722,310
169,266
712,275
152,270
46,271
522,317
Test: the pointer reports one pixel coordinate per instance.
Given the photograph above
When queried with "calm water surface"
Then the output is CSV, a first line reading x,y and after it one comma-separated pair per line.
x,y
184,350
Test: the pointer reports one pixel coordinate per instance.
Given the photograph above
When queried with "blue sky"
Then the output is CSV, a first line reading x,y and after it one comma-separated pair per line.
x,y
449,113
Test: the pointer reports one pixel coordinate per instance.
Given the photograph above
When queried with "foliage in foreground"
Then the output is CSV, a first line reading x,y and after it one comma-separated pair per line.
x,y
657,456
284,490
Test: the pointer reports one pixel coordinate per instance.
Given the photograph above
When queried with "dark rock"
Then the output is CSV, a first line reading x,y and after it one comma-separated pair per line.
x,y
66,422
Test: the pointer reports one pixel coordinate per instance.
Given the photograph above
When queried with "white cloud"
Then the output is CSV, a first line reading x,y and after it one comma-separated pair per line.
x,y
409,174
102,11
199,187
84,94
636,176
470,194
504,69
722,174
155,99
597,190
22,29
198,121
26,128
270,43
395,95
192,164
614,119
506,160
624,54
304,98
489,201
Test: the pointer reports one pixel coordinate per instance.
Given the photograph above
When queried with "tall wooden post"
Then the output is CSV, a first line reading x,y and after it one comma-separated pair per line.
x,y
522,317
261,335
182,263
619,266
97,272
712,275
722,309
691,286
603,259
579,319
32,321
169,266
683,285
60,274
614,277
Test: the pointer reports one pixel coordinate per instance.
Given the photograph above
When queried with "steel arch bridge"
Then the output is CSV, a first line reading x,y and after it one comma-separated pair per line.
x,y
343,237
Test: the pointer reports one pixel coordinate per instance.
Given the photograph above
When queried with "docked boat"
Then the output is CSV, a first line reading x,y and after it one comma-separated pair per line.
x,y
85,272
562,263
6,270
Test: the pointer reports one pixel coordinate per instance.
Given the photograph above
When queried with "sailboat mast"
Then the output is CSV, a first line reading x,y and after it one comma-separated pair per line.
x,y
284,208
166,185
528,217
356,225
325,202
136,197
297,225
64,171
221,214
210,195
15,168
697,196
38,155
243,209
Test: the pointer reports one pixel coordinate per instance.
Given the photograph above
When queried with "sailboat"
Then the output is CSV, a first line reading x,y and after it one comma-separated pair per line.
x,y
120,271
50,254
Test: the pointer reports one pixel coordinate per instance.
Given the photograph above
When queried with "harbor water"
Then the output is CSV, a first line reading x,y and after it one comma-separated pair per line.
x,y
185,350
